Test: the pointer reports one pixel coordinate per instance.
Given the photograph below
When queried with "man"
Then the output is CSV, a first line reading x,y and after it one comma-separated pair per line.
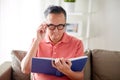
x,y
52,41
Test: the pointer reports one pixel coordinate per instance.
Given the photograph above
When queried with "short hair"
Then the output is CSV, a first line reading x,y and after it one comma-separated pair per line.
x,y
55,10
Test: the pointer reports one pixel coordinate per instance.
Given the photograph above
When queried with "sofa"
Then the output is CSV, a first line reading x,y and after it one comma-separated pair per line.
x,y
101,65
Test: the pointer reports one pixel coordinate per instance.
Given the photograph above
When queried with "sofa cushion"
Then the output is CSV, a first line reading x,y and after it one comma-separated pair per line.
x,y
105,65
17,57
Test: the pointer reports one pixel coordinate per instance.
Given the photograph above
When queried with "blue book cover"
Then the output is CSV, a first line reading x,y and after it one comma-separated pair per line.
x,y
44,65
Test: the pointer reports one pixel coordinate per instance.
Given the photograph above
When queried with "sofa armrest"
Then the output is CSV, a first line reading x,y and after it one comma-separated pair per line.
x,y
5,71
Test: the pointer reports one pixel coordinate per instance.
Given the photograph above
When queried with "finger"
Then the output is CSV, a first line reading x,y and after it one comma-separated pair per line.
x,y
53,63
41,28
44,24
69,62
57,62
62,60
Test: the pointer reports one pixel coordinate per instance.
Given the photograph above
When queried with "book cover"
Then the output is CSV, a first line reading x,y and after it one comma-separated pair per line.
x,y
44,65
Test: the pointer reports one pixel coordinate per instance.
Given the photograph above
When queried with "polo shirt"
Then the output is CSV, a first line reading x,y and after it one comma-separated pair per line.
x,y
68,47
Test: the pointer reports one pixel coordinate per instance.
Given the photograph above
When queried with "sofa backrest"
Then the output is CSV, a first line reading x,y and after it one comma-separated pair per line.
x,y
105,65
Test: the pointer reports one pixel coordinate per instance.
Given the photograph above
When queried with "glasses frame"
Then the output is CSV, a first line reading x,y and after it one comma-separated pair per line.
x,y
53,27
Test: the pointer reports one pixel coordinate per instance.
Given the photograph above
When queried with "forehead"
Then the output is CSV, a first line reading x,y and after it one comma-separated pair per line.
x,y
56,18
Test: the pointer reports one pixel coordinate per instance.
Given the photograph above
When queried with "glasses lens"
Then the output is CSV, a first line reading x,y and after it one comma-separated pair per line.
x,y
51,26
60,26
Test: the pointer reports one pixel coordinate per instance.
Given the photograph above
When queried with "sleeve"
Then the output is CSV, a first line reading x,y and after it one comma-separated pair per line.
x,y
80,49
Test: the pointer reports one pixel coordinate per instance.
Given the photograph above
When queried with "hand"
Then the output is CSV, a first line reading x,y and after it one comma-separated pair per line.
x,y
41,31
62,65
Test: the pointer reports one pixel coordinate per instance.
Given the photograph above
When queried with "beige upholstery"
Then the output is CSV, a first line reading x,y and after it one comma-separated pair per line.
x,y
105,65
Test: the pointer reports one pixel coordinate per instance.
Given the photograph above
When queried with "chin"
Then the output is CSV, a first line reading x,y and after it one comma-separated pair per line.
x,y
56,38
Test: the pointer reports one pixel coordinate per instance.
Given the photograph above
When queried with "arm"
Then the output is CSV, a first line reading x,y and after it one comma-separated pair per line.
x,y
26,62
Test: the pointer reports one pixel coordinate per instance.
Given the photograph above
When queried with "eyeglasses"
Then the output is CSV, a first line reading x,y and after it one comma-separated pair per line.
x,y
59,26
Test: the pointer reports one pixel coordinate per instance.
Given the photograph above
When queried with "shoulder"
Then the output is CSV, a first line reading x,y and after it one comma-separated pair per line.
x,y
73,39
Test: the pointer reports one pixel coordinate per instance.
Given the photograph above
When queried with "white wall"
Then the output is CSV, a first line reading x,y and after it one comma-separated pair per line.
x,y
105,25
20,18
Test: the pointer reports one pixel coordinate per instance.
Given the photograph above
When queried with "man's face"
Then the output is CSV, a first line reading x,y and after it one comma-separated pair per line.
x,y
56,26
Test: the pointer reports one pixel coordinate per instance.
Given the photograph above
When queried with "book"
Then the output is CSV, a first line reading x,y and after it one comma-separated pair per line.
x,y
44,65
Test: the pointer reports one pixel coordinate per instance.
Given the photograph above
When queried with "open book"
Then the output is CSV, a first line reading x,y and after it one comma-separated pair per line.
x,y
44,65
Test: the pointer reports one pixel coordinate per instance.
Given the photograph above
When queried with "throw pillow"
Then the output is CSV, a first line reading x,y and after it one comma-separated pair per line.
x,y
17,56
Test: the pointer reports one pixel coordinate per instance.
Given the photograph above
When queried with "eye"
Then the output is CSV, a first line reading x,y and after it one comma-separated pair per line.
x,y
62,25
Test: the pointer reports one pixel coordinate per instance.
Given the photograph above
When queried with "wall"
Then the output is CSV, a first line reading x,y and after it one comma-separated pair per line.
x,y
20,18
105,25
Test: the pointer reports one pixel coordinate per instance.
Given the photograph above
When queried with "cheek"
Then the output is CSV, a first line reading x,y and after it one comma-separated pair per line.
x,y
61,32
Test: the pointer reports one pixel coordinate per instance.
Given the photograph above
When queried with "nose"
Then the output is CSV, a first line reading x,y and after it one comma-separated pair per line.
x,y
55,30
